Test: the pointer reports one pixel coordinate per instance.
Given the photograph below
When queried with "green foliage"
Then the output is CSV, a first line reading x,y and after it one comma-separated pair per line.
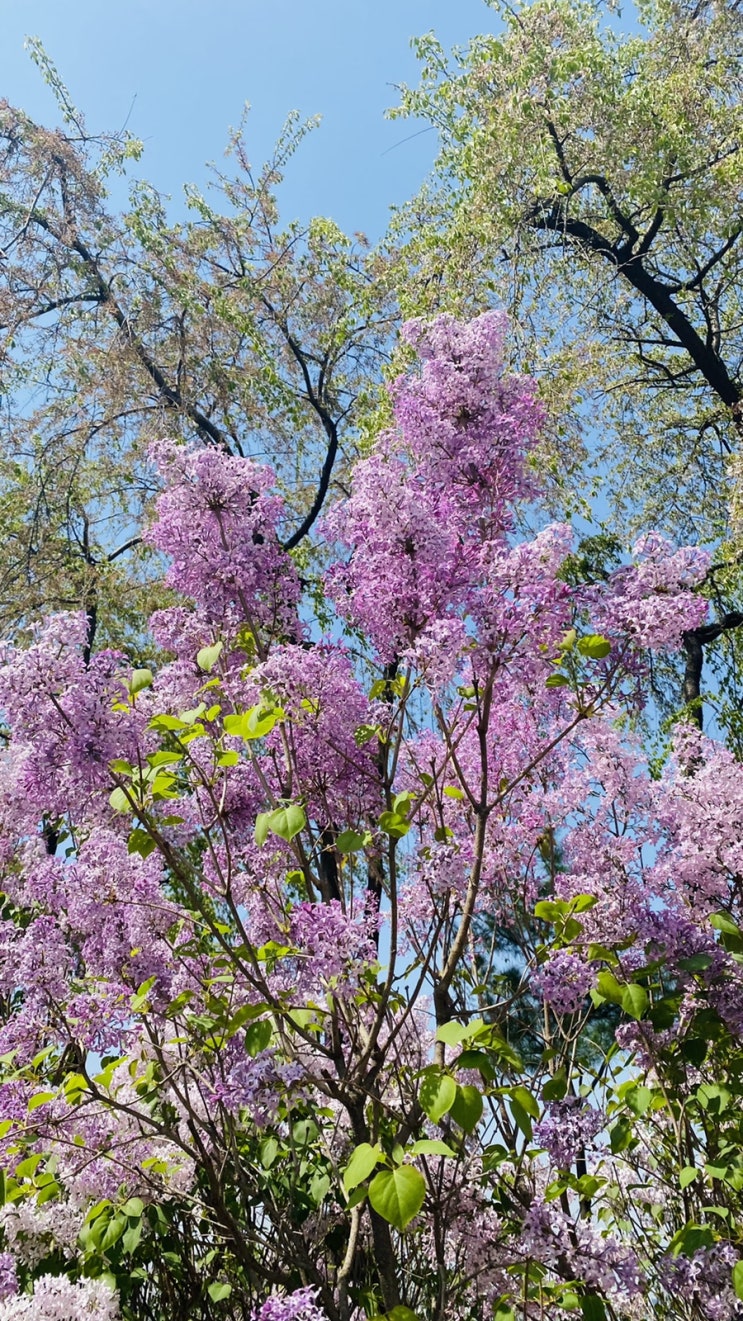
x,y
398,1195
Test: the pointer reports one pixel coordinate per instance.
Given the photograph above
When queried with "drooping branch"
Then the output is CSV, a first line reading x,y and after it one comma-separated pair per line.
x,y
104,295
631,268
316,397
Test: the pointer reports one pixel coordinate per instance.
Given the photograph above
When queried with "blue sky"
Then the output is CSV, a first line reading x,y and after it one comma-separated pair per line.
x,y
181,71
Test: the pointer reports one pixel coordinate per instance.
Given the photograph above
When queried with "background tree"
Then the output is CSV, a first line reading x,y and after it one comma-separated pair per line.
x,y
591,179
226,327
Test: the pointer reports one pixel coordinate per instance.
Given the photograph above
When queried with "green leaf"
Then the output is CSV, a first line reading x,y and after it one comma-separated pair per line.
x,y
467,1108
525,1099
452,791
570,1300
190,717
262,827
363,1160
594,646
521,1118
555,1089
557,681
169,723
260,720
119,801
639,1099
430,1147
394,825
74,1086
304,1132
139,1001
592,1307
713,1097
694,1050
696,962
41,1098
505,1051
349,841
287,822
140,680
397,1195
476,1059
620,1135
588,1185
365,733
690,1239
687,1176
634,1000
207,658
504,1312
253,724
163,787
437,1095
452,1033
596,951
28,1167
723,922
608,986
219,1290
117,1227
738,1280
551,910
269,1150
131,1239
258,1036
140,842
319,1186
164,758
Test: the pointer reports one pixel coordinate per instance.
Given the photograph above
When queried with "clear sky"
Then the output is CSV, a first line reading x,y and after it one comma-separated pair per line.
x,y
181,70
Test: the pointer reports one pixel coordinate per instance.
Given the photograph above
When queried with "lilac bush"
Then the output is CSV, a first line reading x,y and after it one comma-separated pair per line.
x,y
372,973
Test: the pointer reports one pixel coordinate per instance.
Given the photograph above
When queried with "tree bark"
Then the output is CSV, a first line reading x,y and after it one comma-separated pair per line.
x,y
695,641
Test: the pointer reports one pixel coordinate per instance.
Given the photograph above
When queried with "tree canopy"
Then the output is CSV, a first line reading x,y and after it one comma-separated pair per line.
x,y
118,328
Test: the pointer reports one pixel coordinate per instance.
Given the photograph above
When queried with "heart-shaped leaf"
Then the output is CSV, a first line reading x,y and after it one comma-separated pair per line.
x,y
397,1195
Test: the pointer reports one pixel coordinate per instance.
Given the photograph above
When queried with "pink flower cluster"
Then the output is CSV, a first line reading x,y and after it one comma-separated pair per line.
x,y
567,1129
298,1306
437,490
564,981
217,522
